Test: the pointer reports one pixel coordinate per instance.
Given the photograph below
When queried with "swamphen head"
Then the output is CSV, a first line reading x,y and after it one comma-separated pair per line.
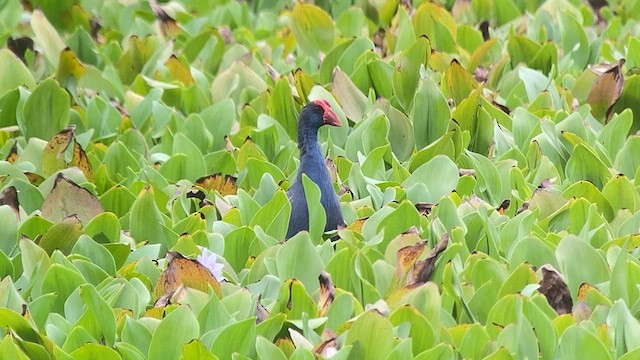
x,y
312,163
314,115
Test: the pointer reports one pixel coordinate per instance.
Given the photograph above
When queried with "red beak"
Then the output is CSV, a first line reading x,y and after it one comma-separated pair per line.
x,y
329,117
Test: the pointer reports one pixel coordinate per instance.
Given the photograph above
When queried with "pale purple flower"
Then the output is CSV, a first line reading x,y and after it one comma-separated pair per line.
x,y
209,259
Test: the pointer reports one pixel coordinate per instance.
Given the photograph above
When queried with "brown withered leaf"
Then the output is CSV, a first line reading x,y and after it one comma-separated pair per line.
x,y
327,345
408,256
504,206
262,313
68,198
80,160
422,270
327,293
585,288
34,178
12,157
224,186
53,154
470,172
553,287
187,272
9,197
424,208
168,25
19,46
605,91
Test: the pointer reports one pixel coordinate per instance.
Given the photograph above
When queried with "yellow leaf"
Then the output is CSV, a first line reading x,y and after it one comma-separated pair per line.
x,y
69,66
187,272
224,186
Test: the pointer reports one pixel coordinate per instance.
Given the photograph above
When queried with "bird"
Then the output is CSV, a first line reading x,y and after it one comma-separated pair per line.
x,y
312,163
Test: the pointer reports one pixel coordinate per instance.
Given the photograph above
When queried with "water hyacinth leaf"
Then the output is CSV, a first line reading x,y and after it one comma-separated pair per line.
x,y
146,222
273,217
63,281
614,134
621,194
186,272
70,69
16,73
298,259
67,198
353,102
584,164
457,83
267,350
440,175
629,100
46,111
312,28
592,269
47,38
282,107
62,235
368,344
166,342
435,23
406,76
400,130
239,337
317,215
590,344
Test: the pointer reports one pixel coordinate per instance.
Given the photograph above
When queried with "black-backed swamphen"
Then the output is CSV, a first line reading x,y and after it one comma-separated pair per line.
x,y
314,115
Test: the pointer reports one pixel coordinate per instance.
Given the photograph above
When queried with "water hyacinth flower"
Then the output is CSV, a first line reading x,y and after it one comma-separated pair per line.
x,y
209,259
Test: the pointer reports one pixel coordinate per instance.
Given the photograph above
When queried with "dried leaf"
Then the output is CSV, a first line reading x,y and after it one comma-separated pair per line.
x,y
34,178
424,208
553,287
327,346
9,196
504,206
53,154
12,157
327,293
605,92
20,46
81,161
67,198
168,25
262,313
187,272
226,186
423,269
407,257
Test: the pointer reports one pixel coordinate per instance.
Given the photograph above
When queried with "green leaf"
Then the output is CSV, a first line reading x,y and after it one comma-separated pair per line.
x,y
167,342
591,267
312,28
371,336
62,235
239,337
298,259
15,74
46,111
146,222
